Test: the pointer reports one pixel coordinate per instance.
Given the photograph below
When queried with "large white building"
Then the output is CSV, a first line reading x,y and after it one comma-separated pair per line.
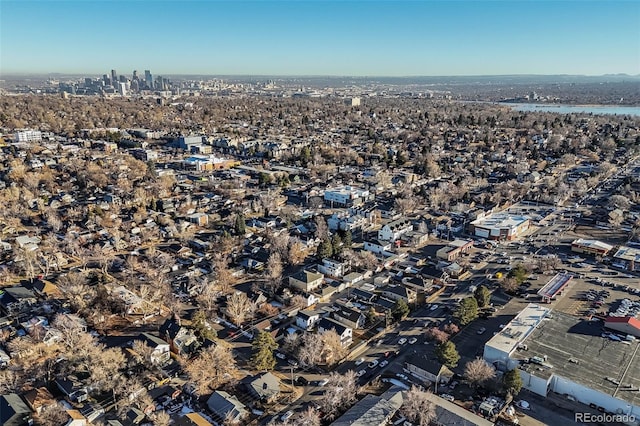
x,y
346,196
395,229
500,226
556,352
28,136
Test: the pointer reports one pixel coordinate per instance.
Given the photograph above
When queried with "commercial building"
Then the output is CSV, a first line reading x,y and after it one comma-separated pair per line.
x,y
500,226
346,196
557,352
628,258
28,136
207,163
454,249
594,247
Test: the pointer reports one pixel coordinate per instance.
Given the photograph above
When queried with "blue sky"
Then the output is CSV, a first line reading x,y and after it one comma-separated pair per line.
x,y
368,38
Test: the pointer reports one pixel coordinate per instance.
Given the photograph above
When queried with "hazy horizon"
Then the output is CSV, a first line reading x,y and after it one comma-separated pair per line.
x,y
321,38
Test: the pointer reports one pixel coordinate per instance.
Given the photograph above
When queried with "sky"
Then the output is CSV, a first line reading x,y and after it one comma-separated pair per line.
x,y
306,37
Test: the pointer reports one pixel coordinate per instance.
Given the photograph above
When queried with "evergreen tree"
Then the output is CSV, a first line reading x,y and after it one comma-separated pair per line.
x,y
263,346
201,328
347,239
512,381
336,243
325,249
240,227
482,296
466,311
400,310
448,354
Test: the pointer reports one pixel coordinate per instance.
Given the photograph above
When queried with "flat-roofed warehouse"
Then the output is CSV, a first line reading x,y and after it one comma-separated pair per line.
x,y
500,226
594,247
559,353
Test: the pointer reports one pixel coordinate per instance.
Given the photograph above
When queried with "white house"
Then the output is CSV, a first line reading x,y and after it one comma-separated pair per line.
x,y
346,196
307,319
345,333
393,230
331,267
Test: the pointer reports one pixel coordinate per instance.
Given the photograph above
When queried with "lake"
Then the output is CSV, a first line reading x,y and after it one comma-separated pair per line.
x,y
568,109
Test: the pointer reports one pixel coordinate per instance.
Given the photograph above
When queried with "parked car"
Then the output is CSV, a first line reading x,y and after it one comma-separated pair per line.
x,y
481,330
412,340
384,363
448,397
286,416
359,361
402,341
361,373
373,364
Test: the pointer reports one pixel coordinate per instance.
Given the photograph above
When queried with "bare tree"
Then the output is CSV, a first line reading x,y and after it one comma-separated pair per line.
x,y
322,230
333,351
477,372
309,417
273,271
340,393
417,407
239,307
52,415
213,367
310,351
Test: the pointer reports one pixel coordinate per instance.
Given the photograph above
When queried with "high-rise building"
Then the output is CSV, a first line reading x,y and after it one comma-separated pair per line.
x,y
148,79
106,80
114,77
135,75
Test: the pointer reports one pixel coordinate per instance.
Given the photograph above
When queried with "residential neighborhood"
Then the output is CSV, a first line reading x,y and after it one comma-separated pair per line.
x,y
260,255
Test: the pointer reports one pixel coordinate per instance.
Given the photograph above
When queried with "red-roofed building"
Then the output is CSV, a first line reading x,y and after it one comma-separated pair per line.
x,y
626,325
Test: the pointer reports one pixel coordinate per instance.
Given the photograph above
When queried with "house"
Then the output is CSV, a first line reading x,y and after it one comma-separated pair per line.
x,y
227,407
449,413
161,350
75,418
427,369
306,280
350,317
73,389
39,398
397,292
393,230
13,411
182,340
373,410
331,267
346,196
378,247
306,319
18,299
193,419
265,387
344,332
200,219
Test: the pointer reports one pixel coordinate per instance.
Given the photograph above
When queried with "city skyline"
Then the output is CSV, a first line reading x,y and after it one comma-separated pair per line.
x,y
321,38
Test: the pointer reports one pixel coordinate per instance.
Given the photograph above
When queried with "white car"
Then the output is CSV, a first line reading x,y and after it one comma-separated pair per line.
x,y
373,364
402,341
361,373
434,307
360,361
448,397
323,382
402,376
412,340
286,416
384,363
